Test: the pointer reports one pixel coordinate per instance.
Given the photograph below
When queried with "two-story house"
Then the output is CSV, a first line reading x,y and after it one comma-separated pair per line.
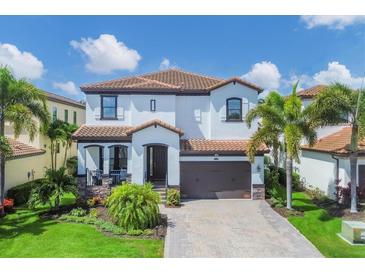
x,y
172,128
326,165
31,158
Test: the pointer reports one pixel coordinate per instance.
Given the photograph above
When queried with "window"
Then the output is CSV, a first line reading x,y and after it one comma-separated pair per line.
x,y
118,157
234,109
108,107
54,114
66,115
75,117
153,105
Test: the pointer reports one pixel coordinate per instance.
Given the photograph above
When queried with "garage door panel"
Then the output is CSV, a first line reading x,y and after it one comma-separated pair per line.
x,y
211,180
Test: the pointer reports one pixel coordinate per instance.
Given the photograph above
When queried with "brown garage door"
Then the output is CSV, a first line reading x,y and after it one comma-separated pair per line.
x,y
212,180
361,177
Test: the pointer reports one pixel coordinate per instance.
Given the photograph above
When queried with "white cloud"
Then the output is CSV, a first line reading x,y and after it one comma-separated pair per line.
x,y
68,87
305,81
337,72
23,64
165,64
264,74
106,54
332,21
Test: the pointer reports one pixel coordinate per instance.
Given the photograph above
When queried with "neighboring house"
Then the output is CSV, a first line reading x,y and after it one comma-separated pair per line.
x,y
171,128
30,158
327,164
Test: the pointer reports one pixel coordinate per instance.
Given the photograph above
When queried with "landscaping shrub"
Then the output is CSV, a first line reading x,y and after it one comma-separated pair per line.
x,y
344,194
21,193
8,205
71,165
133,206
78,212
93,213
173,197
96,200
134,232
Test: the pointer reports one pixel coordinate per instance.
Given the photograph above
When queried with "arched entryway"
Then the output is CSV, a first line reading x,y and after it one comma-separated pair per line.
x,y
156,163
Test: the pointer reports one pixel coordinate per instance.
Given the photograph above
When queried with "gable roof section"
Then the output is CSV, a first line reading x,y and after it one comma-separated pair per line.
x,y
203,146
63,100
336,143
21,150
174,81
155,122
101,133
311,92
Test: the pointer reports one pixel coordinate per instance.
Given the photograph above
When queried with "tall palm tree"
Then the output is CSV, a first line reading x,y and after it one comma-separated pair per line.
x,y
338,104
282,117
68,129
56,134
20,103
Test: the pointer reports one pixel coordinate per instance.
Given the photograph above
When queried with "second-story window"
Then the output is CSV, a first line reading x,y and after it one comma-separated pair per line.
x,y
54,114
234,109
153,105
108,107
66,115
75,118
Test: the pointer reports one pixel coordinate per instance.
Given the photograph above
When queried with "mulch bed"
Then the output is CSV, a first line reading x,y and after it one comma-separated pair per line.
x,y
283,211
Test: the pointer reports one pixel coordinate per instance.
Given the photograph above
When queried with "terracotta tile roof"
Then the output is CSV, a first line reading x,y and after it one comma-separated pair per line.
x,y
171,80
23,150
155,122
202,146
311,92
337,143
93,132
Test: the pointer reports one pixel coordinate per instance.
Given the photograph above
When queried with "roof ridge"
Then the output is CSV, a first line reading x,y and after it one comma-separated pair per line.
x,y
183,71
155,81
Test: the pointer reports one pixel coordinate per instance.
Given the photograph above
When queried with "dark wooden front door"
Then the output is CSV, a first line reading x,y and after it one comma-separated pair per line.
x,y
156,163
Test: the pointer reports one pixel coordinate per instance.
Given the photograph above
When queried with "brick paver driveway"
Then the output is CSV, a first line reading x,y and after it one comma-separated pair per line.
x,y
232,228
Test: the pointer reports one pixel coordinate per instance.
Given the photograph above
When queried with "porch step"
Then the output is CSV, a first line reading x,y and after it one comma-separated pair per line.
x,y
162,192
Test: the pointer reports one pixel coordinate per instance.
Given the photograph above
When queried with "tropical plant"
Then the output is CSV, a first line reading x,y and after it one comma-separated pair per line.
x,y
68,130
284,117
340,104
20,103
56,134
55,184
134,206
173,197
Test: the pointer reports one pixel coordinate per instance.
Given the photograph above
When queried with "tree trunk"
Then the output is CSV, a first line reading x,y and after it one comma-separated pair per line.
x,y
66,150
55,156
353,172
52,152
289,172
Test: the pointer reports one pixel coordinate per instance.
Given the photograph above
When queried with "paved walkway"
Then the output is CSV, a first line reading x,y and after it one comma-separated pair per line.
x,y
232,228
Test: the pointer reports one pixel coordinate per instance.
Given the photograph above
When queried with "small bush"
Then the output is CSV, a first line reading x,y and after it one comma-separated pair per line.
x,y
21,193
78,212
134,232
71,165
96,200
8,205
173,197
93,213
133,206
148,232
112,228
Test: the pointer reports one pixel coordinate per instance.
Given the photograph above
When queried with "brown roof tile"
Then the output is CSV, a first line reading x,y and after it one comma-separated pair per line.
x,y
23,150
155,122
311,92
192,146
171,80
93,132
337,143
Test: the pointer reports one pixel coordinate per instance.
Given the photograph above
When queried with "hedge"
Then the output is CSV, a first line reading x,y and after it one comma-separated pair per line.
x,y
21,193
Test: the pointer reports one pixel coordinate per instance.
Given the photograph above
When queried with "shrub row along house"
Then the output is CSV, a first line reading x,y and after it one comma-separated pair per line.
x,y
326,165
172,128
30,159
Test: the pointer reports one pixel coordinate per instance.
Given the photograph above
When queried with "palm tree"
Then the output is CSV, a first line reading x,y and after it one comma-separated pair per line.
x,y
68,129
20,103
56,134
282,117
338,104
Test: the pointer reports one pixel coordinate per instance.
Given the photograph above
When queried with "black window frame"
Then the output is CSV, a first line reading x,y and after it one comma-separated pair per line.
x,y
75,118
102,107
153,105
228,110
65,118
54,114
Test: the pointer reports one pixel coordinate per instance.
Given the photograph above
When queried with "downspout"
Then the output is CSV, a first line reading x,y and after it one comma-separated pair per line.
x,y
337,180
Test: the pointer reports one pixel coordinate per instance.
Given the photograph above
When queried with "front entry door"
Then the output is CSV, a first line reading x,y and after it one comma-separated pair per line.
x,y
156,163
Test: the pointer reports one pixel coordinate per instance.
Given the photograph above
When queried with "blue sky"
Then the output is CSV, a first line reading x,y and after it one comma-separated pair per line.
x,y
272,51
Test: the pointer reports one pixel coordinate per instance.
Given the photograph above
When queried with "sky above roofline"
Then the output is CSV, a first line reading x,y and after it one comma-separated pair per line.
x,y
60,53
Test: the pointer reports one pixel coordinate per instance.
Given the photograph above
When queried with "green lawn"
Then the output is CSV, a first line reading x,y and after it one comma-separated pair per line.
x,y
23,234
321,229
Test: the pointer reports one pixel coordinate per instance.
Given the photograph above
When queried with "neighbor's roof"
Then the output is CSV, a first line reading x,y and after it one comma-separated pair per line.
x,y
336,143
156,122
63,100
203,146
311,92
167,81
23,150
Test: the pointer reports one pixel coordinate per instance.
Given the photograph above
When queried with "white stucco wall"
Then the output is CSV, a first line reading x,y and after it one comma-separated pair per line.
x,y
155,135
219,128
192,115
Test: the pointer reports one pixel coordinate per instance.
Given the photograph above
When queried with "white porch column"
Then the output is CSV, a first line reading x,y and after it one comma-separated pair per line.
x,y
106,160
81,169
